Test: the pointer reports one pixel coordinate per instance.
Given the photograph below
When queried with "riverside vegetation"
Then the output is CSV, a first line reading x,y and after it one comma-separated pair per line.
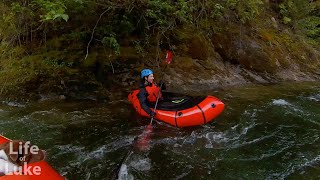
x,y
90,48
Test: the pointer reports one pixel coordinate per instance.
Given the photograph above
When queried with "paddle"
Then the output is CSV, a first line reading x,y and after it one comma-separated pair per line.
x,y
144,138
168,61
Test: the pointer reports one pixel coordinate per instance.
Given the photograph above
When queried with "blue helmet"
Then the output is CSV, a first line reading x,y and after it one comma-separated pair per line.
x,y
146,72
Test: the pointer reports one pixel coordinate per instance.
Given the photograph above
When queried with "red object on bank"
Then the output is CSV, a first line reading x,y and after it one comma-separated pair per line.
x,y
169,57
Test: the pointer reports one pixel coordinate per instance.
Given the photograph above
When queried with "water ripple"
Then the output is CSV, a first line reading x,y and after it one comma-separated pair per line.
x,y
315,162
314,98
303,114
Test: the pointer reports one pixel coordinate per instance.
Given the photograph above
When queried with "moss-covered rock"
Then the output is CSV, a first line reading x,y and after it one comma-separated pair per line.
x,y
228,47
194,45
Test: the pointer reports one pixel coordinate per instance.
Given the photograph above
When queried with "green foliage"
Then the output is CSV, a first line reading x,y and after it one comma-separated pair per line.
x,y
182,11
246,10
139,49
19,70
52,10
123,18
311,25
158,11
284,13
302,15
111,42
218,10
294,10
125,26
57,32
6,26
311,28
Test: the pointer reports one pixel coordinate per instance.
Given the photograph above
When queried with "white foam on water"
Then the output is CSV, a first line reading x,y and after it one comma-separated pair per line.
x,y
13,104
124,173
257,140
70,149
252,113
216,137
82,155
99,153
232,137
297,111
88,175
52,111
314,98
209,146
292,168
166,141
136,162
217,140
183,175
189,140
235,126
246,129
280,102
265,155
176,145
141,164
66,149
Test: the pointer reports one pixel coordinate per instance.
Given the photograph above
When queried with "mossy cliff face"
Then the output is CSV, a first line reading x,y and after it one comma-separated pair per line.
x,y
234,57
243,55
225,49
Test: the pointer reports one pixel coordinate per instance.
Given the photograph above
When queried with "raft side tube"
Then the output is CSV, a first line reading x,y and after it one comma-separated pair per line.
x,y
211,107
190,117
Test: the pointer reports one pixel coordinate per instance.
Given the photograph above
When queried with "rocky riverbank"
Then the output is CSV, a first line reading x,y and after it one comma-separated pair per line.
x,y
212,53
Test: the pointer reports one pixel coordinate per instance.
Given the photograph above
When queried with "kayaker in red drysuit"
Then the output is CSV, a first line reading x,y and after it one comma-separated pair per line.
x,y
149,91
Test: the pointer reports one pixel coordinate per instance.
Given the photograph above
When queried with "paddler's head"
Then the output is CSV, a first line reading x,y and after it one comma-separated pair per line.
x,y
147,76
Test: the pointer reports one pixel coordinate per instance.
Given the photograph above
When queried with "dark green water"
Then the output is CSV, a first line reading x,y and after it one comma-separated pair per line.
x,y
265,132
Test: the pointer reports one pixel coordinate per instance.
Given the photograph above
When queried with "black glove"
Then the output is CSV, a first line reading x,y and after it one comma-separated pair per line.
x,y
160,82
162,85
152,114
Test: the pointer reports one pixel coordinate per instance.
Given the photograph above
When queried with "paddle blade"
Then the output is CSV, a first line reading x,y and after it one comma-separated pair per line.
x,y
149,128
144,139
169,57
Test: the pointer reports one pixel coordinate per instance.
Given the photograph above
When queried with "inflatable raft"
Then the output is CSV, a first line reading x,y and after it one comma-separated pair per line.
x,y
47,172
181,110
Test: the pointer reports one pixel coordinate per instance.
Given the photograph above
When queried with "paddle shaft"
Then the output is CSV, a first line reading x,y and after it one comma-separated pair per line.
x,y
168,60
155,106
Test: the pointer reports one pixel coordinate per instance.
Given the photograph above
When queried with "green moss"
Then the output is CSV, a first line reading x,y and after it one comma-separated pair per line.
x,y
192,43
91,59
260,43
130,53
8,52
21,75
298,52
183,34
186,63
198,48
55,43
268,36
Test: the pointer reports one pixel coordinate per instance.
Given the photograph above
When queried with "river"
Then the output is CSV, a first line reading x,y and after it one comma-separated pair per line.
x,y
265,132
